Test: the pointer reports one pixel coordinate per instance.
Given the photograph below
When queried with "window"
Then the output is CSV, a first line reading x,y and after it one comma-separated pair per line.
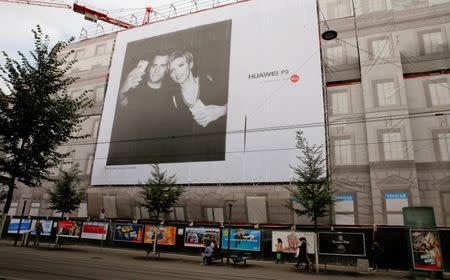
x,y
339,9
82,210
342,151
439,93
380,48
444,145
344,209
109,203
101,49
176,214
88,167
340,102
437,2
446,207
432,42
256,209
34,209
393,148
79,54
99,94
376,5
214,215
76,94
335,55
386,93
13,209
394,203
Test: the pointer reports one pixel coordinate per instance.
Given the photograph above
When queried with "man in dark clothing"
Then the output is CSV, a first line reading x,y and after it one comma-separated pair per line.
x,y
302,256
377,255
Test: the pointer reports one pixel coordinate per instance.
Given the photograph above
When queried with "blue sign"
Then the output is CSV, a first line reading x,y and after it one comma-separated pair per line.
x,y
401,195
344,197
242,239
14,225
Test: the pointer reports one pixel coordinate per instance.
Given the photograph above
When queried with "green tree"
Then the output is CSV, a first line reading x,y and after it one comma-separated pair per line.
x,y
160,193
36,114
312,190
65,196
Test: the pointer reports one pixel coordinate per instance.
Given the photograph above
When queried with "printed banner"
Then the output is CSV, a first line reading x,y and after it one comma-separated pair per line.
x,y
69,229
14,225
196,237
94,230
129,233
342,244
47,226
166,235
426,250
242,239
291,241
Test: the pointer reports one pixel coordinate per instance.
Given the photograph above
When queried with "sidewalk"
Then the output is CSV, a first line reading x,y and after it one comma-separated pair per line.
x,y
114,257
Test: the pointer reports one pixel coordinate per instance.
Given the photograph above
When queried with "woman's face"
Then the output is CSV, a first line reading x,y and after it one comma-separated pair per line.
x,y
180,70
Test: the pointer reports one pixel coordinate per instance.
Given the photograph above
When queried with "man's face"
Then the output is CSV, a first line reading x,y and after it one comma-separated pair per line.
x,y
292,240
158,68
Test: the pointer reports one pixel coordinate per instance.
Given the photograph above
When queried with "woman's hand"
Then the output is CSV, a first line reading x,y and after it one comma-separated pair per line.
x,y
209,114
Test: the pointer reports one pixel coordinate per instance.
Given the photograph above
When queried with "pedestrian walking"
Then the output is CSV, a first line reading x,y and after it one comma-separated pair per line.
x,y
38,228
302,256
279,254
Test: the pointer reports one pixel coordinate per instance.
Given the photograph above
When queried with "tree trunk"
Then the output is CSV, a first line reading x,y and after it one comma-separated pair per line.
x,y
316,246
155,237
9,197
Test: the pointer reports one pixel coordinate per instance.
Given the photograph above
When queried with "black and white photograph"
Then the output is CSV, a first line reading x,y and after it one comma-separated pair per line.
x,y
173,97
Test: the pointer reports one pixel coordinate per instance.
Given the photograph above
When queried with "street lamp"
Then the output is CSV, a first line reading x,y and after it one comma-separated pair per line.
x,y
230,205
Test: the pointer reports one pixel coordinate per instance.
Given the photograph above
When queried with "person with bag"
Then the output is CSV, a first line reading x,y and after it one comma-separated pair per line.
x,y
302,256
279,255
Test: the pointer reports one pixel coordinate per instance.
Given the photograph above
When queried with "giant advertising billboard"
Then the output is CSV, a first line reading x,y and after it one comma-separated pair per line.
x,y
214,97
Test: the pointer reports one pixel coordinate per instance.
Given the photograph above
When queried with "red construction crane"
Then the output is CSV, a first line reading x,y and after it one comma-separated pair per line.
x,y
88,12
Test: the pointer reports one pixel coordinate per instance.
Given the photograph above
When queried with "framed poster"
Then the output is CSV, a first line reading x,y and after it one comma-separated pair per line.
x,y
426,250
129,233
342,244
69,229
94,230
14,225
166,235
46,227
196,237
242,239
290,241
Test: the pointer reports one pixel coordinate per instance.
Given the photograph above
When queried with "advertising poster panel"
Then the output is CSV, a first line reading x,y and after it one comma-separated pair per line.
x,y
201,95
14,225
47,226
426,250
166,235
94,230
196,237
242,239
342,244
129,233
69,229
291,241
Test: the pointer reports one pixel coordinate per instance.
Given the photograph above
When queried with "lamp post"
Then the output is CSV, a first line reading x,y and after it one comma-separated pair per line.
x,y
230,205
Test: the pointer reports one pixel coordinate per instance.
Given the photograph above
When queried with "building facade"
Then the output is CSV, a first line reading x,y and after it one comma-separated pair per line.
x,y
388,131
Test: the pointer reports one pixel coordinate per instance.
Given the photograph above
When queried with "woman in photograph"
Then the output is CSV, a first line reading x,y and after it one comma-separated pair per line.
x,y
201,106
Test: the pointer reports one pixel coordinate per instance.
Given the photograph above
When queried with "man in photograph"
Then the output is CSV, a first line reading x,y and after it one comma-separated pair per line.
x,y
143,113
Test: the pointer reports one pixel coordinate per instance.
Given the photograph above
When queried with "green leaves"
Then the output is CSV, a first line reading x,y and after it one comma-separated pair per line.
x,y
37,115
160,192
65,197
312,190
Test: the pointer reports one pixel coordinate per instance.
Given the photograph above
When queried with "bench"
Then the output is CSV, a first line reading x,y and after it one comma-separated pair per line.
x,y
216,257
240,257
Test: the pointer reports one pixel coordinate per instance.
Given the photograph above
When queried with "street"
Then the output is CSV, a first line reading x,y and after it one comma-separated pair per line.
x,y
84,262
